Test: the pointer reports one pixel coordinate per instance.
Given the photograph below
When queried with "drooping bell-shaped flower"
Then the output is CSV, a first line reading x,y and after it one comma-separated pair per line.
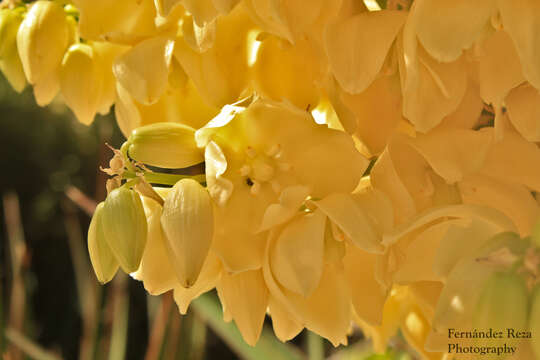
x,y
188,224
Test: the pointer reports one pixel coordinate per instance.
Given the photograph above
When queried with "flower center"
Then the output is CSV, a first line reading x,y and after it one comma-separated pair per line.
x,y
260,168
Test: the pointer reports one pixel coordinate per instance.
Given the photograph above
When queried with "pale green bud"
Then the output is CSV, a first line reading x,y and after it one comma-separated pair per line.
x,y
188,223
534,321
101,256
167,145
125,227
10,63
503,305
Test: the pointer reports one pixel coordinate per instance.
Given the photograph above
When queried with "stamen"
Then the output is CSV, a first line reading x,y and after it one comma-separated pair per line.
x,y
251,152
255,188
245,170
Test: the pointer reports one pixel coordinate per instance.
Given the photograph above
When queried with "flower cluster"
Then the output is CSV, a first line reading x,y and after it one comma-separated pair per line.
x,y
368,166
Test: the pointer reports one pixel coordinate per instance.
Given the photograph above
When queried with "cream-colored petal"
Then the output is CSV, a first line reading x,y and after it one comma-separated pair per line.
x,y
510,160
447,27
520,20
207,280
110,20
523,105
81,82
127,115
188,225
381,100
355,56
327,311
290,200
297,257
155,271
513,200
245,296
283,323
144,70
448,151
343,210
367,295
215,165
499,69
433,90
468,112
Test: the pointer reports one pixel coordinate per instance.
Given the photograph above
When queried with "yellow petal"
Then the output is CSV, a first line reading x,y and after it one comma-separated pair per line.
x,y
510,160
292,72
326,312
164,7
448,151
42,40
468,112
109,20
499,69
367,295
297,257
10,63
290,200
520,20
207,280
188,225
415,328
156,271
144,70
167,145
523,105
513,200
283,323
447,27
245,296
343,210
103,261
381,100
81,82
126,112
355,56
125,227
219,74
215,165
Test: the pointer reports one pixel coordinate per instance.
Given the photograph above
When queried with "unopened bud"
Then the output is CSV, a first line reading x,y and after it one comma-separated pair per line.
x,y
125,228
188,224
167,145
101,256
10,63
503,304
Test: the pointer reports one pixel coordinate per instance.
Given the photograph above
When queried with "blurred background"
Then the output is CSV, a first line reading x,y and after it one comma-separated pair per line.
x,y
51,305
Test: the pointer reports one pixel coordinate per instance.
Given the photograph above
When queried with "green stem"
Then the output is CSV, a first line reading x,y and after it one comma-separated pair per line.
x,y
165,179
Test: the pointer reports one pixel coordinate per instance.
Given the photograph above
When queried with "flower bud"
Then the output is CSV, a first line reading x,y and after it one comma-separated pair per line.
x,y
42,40
534,321
125,228
503,304
188,224
101,256
10,63
81,82
167,145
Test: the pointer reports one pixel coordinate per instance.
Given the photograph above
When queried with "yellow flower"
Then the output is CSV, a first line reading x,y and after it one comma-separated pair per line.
x,y
10,63
188,224
253,155
42,40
